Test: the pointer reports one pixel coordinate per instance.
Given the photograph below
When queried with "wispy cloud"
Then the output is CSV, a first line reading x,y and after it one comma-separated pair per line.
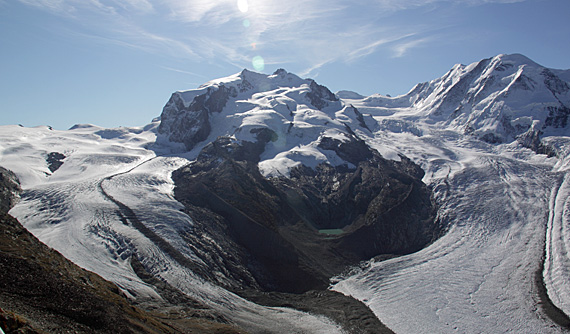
x,y
57,6
138,6
310,34
184,72
408,4
371,48
208,11
400,49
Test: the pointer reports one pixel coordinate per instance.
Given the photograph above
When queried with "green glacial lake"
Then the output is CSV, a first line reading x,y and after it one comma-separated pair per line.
x,y
334,231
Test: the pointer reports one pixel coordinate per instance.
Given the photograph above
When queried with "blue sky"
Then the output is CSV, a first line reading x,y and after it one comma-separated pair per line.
x,y
116,62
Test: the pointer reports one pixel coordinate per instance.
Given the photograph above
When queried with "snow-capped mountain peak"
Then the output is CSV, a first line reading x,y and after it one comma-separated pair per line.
x,y
496,99
298,112
247,81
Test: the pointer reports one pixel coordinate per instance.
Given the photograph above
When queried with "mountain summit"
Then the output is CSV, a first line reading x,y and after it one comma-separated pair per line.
x,y
497,100
293,112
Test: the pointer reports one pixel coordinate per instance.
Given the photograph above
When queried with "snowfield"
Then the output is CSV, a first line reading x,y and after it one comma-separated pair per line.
x,y
505,208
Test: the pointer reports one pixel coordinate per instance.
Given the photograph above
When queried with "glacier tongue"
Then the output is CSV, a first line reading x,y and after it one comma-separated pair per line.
x,y
557,262
480,276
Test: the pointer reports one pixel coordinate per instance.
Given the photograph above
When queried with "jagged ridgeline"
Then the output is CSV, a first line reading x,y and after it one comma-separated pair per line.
x,y
285,183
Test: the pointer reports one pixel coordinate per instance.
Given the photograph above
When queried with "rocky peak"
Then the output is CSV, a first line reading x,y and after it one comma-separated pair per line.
x,y
353,150
280,72
187,122
320,96
246,101
496,99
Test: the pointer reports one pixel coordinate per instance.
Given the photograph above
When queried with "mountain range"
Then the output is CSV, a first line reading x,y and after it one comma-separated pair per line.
x,y
267,203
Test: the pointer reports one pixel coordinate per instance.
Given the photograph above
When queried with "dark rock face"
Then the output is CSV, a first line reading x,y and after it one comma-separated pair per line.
x,y
184,127
360,118
9,189
352,151
320,96
190,124
557,117
354,316
294,233
554,83
54,160
531,140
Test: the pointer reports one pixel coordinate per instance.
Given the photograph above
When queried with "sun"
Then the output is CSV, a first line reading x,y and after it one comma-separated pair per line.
x,y
243,6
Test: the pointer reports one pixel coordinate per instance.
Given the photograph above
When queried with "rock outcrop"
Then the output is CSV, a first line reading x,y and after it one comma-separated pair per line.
x,y
189,123
9,190
293,233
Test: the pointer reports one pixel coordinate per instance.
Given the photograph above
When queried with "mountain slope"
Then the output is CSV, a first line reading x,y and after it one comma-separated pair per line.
x,y
283,226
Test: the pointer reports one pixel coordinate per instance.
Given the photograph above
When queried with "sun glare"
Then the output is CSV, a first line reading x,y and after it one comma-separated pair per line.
x,y
243,6
258,63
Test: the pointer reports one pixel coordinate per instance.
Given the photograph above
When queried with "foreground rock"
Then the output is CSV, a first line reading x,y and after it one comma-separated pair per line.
x,y
354,316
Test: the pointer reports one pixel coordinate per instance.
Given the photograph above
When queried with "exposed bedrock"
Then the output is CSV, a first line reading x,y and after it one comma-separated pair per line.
x,y
292,234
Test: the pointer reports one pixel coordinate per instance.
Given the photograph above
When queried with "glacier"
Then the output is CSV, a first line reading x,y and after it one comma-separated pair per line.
x,y
504,206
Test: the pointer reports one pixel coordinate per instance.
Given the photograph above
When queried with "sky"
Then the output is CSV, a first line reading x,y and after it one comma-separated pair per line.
x,y
116,62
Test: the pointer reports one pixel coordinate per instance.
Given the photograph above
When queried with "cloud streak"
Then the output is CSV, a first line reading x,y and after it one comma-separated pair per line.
x,y
310,34
400,49
409,4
